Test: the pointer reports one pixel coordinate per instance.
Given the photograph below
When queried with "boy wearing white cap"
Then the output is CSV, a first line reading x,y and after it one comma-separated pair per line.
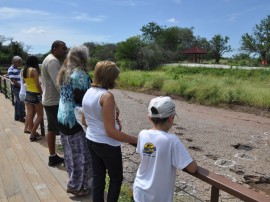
x,y
161,154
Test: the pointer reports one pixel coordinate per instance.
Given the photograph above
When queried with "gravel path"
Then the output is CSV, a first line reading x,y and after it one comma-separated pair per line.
x,y
230,143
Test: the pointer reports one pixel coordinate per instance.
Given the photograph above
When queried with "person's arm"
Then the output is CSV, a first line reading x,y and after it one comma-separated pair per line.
x,y
34,73
83,120
16,83
55,67
192,167
108,109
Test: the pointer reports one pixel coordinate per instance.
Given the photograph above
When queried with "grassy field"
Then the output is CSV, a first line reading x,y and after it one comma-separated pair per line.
x,y
207,86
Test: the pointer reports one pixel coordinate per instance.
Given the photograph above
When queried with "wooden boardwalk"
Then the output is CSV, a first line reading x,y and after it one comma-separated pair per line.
x,y
24,171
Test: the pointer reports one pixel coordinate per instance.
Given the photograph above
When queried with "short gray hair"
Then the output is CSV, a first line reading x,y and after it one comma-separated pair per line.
x,y
16,59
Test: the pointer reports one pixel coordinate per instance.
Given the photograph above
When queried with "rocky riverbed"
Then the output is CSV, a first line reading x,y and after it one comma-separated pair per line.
x,y
228,142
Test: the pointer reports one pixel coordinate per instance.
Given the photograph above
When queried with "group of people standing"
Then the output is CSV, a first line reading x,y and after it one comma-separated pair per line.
x,y
90,155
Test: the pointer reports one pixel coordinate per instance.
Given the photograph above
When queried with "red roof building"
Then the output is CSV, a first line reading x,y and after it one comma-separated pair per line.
x,y
195,53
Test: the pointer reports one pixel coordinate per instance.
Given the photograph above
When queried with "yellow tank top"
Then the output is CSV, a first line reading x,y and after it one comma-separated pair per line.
x,y
30,82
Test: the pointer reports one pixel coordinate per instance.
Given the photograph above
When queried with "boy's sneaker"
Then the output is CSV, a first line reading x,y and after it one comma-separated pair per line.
x,y
55,160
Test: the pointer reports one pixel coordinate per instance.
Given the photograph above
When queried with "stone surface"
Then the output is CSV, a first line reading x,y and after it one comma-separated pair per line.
x,y
209,134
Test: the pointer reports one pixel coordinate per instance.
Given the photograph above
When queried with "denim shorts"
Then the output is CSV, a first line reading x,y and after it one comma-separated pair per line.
x,y
33,98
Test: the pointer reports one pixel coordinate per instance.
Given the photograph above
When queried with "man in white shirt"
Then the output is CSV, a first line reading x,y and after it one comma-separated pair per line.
x,y
50,98
14,76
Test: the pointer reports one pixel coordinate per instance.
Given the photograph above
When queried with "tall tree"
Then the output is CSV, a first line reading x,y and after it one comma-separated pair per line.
x,y
259,42
219,46
129,49
175,38
151,31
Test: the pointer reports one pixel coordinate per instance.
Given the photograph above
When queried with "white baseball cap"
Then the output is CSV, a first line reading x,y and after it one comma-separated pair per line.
x,y
161,107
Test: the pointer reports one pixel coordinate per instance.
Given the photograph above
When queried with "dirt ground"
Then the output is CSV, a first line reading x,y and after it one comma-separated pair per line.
x,y
228,142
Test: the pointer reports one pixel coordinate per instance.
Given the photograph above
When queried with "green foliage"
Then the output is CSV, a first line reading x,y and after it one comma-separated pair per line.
x,y
151,31
127,65
155,83
128,50
259,41
125,193
219,46
133,79
205,85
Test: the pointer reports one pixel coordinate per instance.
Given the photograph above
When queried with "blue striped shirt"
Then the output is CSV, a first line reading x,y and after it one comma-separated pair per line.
x,y
14,73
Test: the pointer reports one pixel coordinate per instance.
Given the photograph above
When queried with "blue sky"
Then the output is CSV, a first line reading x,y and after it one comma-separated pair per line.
x,y
37,23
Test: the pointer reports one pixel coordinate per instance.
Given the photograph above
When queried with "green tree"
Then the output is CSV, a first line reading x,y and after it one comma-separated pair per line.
x,y
259,42
151,31
202,42
149,57
219,46
129,49
105,52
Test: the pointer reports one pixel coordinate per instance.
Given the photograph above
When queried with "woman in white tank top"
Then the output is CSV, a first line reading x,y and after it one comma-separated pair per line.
x,y
104,132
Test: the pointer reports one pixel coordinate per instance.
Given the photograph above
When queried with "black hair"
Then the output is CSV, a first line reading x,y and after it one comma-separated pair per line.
x,y
56,44
31,61
157,120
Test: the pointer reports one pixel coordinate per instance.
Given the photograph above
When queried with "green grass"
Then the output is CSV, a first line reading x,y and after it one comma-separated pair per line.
x,y
206,86
125,193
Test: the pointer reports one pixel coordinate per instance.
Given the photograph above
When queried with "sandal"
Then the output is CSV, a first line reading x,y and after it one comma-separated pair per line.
x,y
26,131
34,138
81,192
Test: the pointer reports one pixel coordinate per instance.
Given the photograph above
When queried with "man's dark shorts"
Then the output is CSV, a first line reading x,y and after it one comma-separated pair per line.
x,y
51,112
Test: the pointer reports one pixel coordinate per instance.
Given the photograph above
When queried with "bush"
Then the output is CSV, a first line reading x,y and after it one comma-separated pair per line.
x,y
156,83
204,85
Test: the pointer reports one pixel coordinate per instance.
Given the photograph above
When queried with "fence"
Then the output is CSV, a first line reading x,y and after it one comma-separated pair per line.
x,y
5,88
217,182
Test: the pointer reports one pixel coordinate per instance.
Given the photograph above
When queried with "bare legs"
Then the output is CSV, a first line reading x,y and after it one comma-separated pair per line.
x,y
51,142
33,109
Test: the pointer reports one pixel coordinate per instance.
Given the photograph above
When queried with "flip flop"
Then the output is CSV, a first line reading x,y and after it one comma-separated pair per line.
x,y
81,192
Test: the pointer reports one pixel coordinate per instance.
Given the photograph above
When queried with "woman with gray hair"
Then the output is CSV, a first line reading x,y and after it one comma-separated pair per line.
x,y
73,81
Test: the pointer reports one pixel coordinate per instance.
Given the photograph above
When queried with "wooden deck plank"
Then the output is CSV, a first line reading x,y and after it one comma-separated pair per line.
x,y
25,174
10,184
18,144
16,198
26,189
54,188
3,196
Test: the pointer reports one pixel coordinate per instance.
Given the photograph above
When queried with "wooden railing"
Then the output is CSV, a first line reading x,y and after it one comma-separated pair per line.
x,y
219,182
5,88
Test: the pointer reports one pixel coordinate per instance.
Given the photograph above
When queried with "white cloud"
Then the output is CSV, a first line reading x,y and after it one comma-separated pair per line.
x,y
35,30
41,38
6,12
84,16
172,20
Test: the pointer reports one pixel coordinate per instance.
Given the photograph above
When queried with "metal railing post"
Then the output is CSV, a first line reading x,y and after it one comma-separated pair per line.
x,y
5,88
1,84
214,194
11,94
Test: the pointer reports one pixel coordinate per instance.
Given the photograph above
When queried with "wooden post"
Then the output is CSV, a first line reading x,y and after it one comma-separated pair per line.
x,y
214,194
